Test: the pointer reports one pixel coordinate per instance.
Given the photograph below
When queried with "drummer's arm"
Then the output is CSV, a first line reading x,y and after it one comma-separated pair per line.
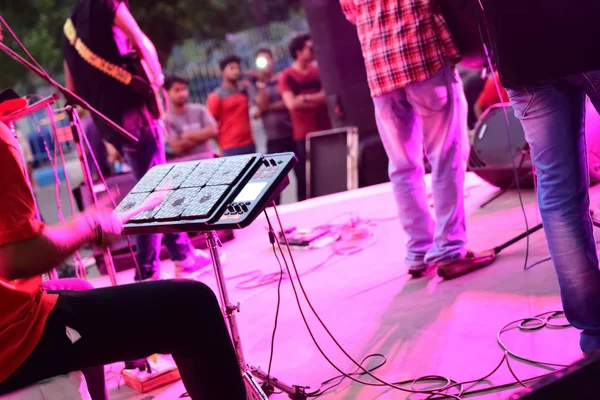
x,y
27,246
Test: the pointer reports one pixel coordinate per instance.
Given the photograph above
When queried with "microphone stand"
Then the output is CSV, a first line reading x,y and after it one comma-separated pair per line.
x,y
78,135
71,97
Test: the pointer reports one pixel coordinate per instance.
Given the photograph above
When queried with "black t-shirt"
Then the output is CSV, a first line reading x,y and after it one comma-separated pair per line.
x,y
536,40
94,23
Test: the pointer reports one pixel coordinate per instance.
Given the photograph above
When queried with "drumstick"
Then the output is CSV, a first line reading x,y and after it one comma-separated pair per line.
x,y
151,202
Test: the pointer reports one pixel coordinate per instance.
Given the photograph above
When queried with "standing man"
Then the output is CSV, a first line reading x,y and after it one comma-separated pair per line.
x,y
271,108
419,101
191,127
229,105
98,36
547,90
304,96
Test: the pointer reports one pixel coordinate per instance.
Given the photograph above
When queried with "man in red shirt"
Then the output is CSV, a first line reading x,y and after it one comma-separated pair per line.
x,y
419,102
489,95
302,92
229,104
45,334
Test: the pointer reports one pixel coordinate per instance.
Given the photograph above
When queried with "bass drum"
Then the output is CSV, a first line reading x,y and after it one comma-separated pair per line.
x,y
492,159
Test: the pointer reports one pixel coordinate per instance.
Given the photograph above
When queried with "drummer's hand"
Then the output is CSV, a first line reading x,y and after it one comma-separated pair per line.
x,y
105,226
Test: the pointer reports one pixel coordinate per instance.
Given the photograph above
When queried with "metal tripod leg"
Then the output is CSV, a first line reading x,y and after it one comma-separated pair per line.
x,y
496,195
253,388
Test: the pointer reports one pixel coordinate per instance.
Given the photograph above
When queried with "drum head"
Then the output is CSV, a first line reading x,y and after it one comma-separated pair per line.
x,y
492,153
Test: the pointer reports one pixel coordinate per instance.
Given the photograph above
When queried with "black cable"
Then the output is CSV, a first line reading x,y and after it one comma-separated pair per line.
x,y
340,378
272,240
440,392
510,147
382,382
338,249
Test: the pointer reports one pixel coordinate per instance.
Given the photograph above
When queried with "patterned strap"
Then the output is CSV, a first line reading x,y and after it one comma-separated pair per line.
x,y
92,58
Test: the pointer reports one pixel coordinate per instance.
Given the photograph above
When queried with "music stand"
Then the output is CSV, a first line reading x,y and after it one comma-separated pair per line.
x,y
248,196
249,372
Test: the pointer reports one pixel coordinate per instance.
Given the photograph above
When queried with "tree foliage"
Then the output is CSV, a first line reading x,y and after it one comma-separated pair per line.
x,y
38,23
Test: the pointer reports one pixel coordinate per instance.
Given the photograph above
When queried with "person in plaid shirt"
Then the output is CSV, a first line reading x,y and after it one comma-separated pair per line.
x,y
410,58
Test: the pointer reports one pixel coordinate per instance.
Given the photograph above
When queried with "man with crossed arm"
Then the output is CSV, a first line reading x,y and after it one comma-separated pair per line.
x,y
191,126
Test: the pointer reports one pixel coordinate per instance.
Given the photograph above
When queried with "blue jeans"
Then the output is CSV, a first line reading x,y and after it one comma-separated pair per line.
x,y
141,156
300,169
239,151
429,115
553,115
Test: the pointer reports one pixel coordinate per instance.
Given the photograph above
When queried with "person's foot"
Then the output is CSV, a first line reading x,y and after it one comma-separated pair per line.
x,y
195,265
418,271
152,276
470,262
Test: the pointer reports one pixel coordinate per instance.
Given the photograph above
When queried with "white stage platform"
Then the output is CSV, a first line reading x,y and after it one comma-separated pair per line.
x,y
423,327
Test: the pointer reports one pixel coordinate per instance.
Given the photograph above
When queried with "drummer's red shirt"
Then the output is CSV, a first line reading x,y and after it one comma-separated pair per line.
x,y
24,306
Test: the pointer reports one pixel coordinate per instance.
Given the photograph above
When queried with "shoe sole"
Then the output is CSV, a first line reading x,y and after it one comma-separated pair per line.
x,y
454,270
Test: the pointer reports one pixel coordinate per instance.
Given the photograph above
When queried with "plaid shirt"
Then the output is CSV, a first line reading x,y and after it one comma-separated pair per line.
x,y
402,41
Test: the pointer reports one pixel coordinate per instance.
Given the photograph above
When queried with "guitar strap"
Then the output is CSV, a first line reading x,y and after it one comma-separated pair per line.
x,y
108,68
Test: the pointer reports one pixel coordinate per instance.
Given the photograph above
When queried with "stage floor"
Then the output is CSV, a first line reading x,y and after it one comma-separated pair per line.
x,y
424,327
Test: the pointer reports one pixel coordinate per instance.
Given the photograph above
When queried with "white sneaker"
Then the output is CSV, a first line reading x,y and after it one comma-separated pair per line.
x,y
195,265
162,276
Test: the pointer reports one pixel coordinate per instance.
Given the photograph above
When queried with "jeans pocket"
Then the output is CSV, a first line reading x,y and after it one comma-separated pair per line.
x,y
431,99
521,100
432,94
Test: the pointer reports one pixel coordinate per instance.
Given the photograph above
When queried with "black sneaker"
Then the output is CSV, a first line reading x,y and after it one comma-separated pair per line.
x,y
418,271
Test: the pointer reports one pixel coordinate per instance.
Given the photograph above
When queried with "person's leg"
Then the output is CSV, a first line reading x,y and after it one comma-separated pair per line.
x,y
98,148
401,136
300,169
181,317
440,103
240,151
94,376
142,156
552,115
281,146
